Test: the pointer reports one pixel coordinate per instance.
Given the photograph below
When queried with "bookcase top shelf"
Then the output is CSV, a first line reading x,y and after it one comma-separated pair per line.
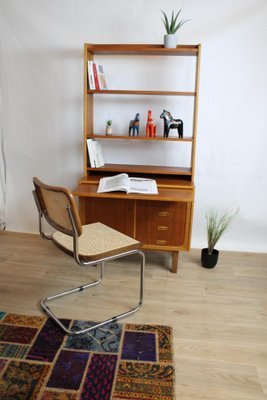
x,y
142,49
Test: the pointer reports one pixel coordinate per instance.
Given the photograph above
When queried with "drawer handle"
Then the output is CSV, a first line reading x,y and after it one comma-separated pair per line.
x,y
163,213
161,242
162,228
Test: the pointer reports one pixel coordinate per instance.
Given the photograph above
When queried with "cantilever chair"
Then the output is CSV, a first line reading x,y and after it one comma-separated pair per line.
x,y
89,245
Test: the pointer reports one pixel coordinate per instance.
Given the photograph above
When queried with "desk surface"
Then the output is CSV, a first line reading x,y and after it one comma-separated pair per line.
x,y
165,194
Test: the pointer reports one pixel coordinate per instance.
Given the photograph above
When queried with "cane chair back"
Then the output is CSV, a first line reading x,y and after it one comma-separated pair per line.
x,y
55,204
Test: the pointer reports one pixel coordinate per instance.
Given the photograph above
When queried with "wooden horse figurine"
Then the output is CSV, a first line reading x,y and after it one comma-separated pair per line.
x,y
134,125
150,126
171,123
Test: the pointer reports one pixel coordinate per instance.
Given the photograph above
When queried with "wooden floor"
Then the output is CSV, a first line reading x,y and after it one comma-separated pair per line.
x,y
219,316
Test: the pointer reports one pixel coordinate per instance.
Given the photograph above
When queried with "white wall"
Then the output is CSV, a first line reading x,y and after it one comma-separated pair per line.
x,y
41,72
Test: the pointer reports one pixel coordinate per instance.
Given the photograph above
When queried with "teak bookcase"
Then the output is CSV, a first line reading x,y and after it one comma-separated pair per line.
x,y
162,222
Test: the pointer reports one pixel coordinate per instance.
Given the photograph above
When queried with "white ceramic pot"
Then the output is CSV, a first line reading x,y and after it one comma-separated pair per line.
x,y
108,130
170,41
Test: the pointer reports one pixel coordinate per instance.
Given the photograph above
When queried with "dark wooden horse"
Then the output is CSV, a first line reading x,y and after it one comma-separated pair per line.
x,y
171,123
134,125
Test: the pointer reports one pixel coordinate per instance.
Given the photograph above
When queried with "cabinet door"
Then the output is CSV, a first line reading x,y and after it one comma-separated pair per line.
x,y
163,223
118,214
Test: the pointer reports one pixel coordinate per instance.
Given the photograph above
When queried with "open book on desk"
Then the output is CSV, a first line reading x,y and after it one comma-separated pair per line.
x,y
122,182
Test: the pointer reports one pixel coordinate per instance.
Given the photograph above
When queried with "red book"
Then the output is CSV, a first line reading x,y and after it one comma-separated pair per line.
x,y
95,76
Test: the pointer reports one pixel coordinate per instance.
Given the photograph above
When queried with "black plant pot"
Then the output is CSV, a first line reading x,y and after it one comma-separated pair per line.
x,y
209,260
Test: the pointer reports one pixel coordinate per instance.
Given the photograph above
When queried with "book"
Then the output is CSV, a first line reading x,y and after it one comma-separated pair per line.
x,y
101,77
98,154
91,79
95,76
122,182
95,153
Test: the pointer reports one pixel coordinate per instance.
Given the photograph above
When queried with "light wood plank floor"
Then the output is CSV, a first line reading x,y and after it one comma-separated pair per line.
x,y
219,316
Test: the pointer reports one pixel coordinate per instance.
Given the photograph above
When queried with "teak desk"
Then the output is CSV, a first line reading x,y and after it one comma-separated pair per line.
x,y
161,222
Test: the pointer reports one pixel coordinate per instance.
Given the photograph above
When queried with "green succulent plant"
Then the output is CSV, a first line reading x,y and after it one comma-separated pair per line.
x,y
173,25
109,122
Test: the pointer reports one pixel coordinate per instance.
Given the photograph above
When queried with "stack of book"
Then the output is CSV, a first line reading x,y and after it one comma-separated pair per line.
x,y
96,76
95,153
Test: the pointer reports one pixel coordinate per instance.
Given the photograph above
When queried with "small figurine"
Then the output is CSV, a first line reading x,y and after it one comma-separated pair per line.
x,y
134,125
171,123
150,126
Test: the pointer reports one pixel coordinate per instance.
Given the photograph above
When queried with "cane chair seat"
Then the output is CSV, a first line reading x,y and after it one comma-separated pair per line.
x,y
96,241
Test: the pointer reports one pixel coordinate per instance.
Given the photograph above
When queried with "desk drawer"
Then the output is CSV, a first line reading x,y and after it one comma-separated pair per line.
x,y
162,223
170,234
162,211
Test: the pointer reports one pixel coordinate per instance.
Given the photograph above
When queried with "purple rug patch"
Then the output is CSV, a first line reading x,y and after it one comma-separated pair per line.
x,y
48,341
99,377
139,346
68,370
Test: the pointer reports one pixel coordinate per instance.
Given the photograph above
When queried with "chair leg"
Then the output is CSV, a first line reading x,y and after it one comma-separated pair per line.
x,y
94,283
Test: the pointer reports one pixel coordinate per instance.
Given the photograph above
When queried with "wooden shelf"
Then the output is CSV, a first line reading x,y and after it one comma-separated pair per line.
x,y
142,49
162,181
142,92
144,138
142,169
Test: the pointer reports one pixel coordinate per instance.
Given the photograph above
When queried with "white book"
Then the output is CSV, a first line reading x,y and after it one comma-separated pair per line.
x,y
91,152
98,155
122,182
91,78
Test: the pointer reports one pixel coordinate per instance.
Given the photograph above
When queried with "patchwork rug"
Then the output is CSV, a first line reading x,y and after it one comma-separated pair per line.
x,y
117,361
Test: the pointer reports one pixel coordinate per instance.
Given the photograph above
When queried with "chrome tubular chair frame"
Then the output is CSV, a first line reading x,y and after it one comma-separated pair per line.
x,y
44,302
88,285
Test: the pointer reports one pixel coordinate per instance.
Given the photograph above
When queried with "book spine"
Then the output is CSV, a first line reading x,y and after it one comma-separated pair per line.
x,y
91,79
95,76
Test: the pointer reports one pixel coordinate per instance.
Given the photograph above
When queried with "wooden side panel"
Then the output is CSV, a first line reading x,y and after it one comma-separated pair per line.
x,y
162,223
118,214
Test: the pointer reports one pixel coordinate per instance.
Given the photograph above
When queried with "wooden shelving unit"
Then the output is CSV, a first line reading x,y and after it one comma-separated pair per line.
x,y
173,206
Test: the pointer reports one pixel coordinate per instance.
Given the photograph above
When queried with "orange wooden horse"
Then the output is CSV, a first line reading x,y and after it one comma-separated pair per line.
x,y
150,126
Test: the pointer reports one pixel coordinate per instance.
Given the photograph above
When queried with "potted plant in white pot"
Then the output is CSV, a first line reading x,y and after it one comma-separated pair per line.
x,y
172,26
216,224
109,127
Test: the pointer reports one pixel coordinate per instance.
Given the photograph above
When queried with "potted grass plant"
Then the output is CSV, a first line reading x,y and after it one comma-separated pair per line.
x,y
172,25
217,222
